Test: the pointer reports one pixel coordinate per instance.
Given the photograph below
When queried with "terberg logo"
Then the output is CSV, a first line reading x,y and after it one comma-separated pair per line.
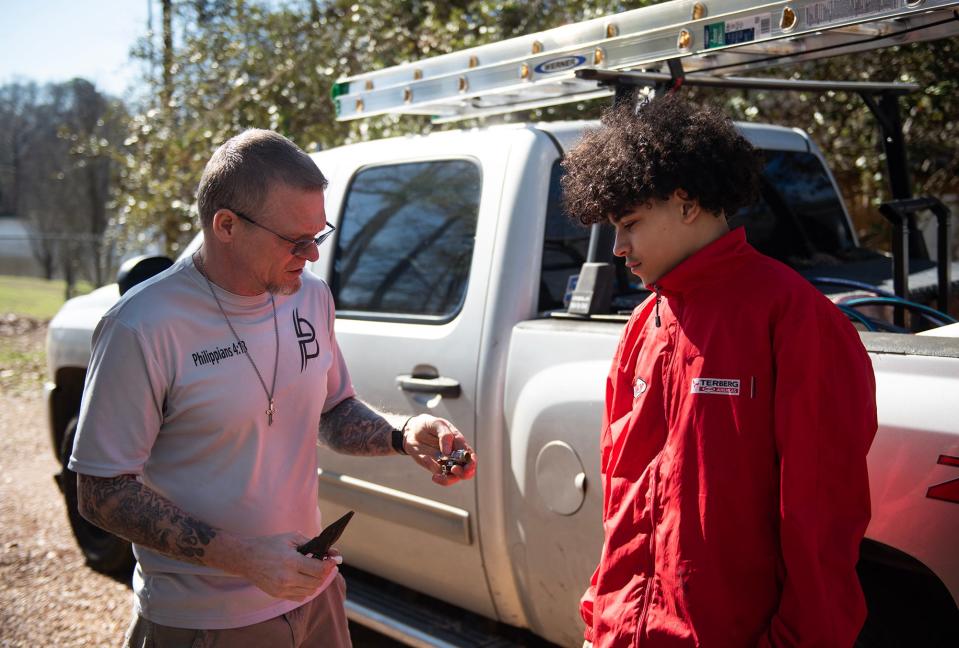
x,y
560,64
306,336
725,386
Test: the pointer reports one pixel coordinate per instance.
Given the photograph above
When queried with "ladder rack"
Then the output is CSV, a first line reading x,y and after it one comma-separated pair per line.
x,y
707,37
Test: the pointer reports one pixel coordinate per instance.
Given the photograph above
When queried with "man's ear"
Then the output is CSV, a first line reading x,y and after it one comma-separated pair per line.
x,y
223,225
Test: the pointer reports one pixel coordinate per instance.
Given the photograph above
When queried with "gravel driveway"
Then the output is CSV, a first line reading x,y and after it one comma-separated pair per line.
x,y
48,597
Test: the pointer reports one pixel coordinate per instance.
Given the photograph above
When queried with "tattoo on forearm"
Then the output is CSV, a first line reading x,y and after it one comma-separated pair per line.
x,y
353,428
127,508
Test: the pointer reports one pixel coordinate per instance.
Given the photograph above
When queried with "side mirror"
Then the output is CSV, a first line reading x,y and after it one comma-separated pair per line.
x,y
140,268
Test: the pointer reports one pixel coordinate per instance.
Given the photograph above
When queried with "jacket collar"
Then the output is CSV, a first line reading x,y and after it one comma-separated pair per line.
x,y
709,265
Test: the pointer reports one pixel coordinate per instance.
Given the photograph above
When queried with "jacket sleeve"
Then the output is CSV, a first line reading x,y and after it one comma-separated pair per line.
x,y
586,606
637,320
824,420
586,603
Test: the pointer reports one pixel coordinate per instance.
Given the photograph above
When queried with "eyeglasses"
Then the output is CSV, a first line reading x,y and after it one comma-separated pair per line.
x,y
300,248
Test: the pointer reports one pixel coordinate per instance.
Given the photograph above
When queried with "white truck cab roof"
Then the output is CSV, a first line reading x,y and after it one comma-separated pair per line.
x,y
763,136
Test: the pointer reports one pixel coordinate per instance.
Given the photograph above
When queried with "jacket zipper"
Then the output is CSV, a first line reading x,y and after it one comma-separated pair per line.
x,y
659,298
652,498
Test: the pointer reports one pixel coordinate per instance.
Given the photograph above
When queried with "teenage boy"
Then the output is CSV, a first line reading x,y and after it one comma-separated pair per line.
x,y
739,408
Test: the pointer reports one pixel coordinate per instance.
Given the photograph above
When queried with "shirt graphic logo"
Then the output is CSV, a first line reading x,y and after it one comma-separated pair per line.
x,y
306,336
639,387
725,386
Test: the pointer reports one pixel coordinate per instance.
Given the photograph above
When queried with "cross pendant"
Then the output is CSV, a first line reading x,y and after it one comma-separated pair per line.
x,y
270,412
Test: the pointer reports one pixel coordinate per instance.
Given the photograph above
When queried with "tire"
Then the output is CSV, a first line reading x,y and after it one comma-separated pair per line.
x,y
906,608
104,552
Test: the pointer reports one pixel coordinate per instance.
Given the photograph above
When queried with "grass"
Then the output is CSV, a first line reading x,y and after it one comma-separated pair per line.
x,y
26,304
32,297
22,364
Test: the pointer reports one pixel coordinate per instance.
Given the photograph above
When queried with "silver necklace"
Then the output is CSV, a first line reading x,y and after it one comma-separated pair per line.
x,y
276,332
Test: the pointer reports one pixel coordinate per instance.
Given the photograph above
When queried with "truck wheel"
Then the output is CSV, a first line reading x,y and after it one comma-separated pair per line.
x,y
907,607
103,551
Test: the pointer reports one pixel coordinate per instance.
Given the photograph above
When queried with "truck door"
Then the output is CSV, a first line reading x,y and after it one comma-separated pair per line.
x,y
408,272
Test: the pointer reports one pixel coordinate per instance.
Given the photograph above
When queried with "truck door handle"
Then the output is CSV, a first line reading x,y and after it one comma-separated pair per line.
x,y
439,385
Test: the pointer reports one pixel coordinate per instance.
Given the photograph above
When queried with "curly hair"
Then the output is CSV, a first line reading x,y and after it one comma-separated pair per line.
x,y
637,156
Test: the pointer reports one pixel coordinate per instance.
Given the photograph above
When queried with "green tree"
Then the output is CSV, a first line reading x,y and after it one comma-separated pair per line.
x,y
236,64
244,64
849,135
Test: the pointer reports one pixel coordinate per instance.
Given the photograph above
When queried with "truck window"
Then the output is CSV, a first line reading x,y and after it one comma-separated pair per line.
x,y
564,247
799,218
406,241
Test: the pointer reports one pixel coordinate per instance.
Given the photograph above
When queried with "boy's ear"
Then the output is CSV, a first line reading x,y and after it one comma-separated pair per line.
x,y
687,206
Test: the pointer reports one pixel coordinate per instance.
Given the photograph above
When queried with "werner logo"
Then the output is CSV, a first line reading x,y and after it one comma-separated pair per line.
x,y
560,64
726,386
306,336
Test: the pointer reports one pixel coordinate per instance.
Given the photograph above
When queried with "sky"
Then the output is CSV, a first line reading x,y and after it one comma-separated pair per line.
x,y
56,40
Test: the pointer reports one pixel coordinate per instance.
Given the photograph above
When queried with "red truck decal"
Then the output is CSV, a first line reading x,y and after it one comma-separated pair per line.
x,y
946,491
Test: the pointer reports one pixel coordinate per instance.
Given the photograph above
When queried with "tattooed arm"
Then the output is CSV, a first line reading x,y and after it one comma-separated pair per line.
x,y
126,507
353,427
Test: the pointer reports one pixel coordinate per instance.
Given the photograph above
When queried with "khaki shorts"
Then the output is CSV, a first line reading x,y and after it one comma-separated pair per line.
x,y
321,622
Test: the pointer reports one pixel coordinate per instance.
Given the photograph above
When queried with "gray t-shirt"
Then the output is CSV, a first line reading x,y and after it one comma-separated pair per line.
x,y
171,398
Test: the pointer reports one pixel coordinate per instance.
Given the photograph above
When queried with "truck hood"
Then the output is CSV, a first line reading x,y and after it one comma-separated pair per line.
x,y
70,332
949,330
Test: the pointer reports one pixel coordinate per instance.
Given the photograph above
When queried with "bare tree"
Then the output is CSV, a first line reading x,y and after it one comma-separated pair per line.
x,y
17,102
36,185
61,141
91,126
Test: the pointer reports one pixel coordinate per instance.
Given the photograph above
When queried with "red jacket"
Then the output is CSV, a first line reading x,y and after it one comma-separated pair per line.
x,y
733,453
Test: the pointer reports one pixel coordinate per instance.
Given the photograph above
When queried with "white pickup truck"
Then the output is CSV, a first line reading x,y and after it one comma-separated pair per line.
x,y
450,267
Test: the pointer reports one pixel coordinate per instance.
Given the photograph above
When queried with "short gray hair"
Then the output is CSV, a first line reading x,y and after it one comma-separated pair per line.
x,y
242,170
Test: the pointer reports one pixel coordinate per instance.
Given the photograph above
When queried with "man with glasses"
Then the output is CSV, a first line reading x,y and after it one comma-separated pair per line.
x,y
208,388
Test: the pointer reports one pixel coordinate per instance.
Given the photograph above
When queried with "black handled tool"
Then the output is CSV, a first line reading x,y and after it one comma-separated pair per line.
x,y
320,545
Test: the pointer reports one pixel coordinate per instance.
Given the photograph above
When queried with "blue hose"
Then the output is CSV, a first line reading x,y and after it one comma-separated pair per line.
x,y
931,314
882,298
853,314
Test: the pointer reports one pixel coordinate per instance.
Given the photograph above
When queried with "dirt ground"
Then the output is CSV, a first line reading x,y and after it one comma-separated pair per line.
x,y
48,596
